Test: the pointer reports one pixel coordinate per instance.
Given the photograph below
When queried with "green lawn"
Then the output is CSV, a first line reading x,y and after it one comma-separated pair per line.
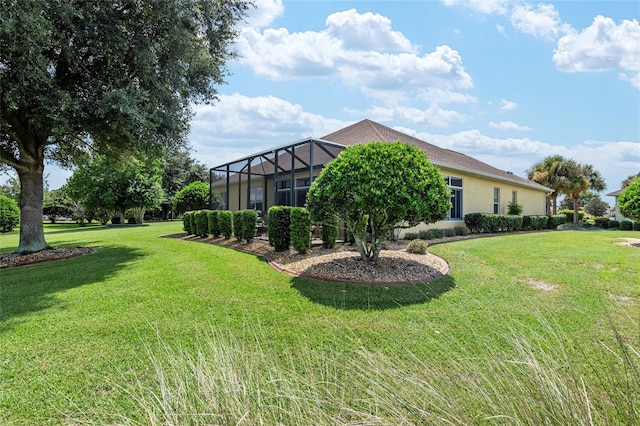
x,y
152,330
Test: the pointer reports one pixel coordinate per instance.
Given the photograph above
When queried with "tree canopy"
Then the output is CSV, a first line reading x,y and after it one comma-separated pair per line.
x,y
105,185
629,200
94,76
376,186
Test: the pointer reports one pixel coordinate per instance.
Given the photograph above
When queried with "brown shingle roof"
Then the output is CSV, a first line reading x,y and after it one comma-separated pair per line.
x,y
367,131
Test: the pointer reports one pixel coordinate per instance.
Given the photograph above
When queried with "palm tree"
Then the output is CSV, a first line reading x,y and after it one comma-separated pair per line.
x,y
579,179
550,173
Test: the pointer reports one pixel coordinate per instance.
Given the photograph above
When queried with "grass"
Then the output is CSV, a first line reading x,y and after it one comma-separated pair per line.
x,y
162,331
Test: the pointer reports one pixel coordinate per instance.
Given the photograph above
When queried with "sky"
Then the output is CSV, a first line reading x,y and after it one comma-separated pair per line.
x,y
506,82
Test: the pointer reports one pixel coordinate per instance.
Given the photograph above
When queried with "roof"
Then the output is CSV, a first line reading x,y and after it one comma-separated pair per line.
x,y
615,193
367,131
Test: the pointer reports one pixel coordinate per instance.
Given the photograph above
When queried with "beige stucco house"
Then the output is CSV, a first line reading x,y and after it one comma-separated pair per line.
x,y
283,175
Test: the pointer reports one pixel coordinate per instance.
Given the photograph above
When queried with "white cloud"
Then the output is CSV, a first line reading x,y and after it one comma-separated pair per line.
x,y
603,46
509,125
487,7
506,105
367,31
433,116
633,79
442,96
239,125
352,54
265,12
542,21
500,29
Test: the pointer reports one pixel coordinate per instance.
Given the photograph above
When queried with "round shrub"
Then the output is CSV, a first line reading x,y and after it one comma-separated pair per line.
x,y
330,230
194,196
614,224
626,225
9,214
278,227
249,220
417,247
225,222
629,200
300,229
461,230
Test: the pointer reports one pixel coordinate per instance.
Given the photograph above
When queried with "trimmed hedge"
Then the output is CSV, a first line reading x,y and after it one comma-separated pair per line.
x,y
225,223
489,222
556,220
186,222
300,229
278,227
636,226
626,225
212,222
602,222
614,224
330,230
202,223
535,222
237,225
431,234
248,220
569,214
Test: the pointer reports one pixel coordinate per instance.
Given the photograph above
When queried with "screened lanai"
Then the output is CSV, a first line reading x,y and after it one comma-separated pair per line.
x,y
278,176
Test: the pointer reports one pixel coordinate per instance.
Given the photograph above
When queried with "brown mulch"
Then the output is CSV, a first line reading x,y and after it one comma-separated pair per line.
x,y
9,260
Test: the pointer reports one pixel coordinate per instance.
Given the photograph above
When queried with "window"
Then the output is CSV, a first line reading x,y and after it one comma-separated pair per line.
x,y
283,197
496,200
455,185
255,199
514,197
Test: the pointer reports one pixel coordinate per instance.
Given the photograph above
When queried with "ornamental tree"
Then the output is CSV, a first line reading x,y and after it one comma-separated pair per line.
x,y
629,200
96,76
374,187
105,184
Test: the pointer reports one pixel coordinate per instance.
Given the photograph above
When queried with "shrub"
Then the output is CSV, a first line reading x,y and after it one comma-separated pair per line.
x,y
9,214
131,220
602,222
636,226
534,222
194,196
237,225
461,230
449,232
411,236
186,223
330,229
212,223
569,214
202,223
417,247
278,227
225,222
431,234
557,220
115,220
300,229
626,225
514,209
614,224
249,219
473,221
629,200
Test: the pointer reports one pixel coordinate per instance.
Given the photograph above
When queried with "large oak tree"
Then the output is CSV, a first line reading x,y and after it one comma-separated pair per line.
x,y
79,76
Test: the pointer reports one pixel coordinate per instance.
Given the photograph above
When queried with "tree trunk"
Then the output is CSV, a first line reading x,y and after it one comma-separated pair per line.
x,y
31,197
576,216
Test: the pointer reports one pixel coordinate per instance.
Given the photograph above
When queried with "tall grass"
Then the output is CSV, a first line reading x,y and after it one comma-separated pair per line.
x,y
535,379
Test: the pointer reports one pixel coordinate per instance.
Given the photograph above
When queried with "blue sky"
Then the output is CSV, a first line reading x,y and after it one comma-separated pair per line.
x,y
506,82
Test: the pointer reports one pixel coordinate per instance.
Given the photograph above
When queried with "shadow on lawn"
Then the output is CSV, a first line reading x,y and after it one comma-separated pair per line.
x,y
347,296
29,289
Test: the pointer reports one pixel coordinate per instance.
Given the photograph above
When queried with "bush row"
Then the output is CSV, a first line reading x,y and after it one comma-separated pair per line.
x,y
291,227
435,233
488,222
201,223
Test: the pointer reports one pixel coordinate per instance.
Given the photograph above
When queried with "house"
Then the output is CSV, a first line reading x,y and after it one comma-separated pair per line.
x,y
283,175
616,211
